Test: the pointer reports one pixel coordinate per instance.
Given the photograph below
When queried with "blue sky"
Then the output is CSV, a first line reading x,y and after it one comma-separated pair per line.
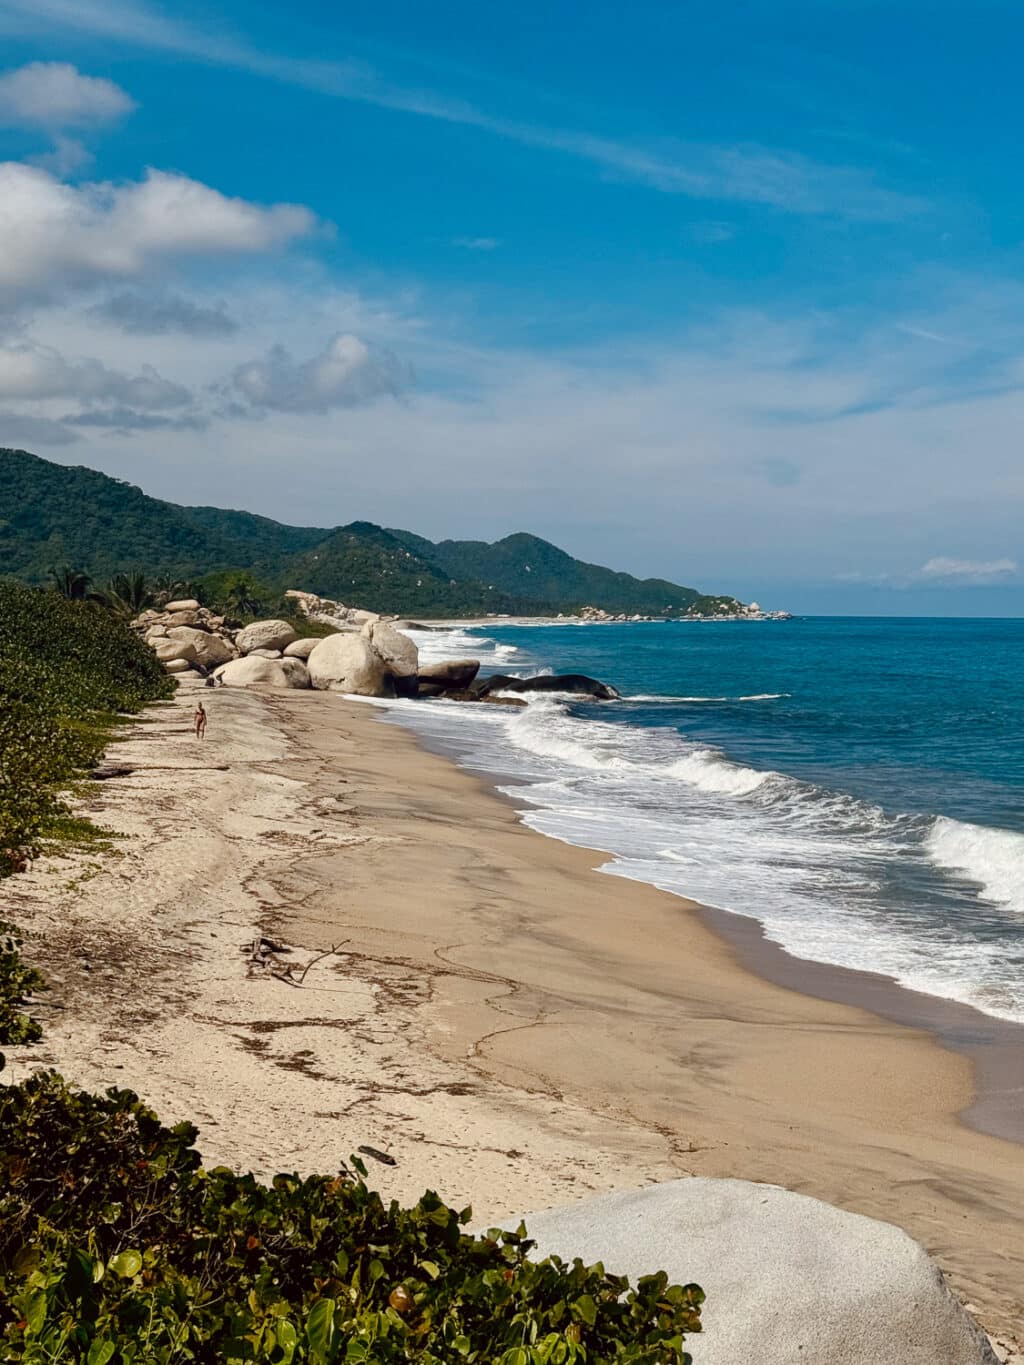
x,y
725,292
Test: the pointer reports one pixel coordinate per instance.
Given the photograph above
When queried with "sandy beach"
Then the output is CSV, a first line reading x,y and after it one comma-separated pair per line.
x,y
514,1028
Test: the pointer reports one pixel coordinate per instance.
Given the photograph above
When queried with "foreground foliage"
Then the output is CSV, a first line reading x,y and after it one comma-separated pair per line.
x,y
116,1247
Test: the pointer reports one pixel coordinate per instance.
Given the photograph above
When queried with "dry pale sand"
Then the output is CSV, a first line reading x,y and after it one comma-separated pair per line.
x,y
515,1028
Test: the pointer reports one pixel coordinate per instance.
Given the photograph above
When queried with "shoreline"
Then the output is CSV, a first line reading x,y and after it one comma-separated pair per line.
x,y
517,1030
994,1046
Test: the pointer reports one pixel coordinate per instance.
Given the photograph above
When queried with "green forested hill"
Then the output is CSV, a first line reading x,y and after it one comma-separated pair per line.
x,y
52,515
526,566
380,571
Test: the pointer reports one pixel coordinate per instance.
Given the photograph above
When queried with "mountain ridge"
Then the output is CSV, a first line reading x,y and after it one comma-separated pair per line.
x,y
52,514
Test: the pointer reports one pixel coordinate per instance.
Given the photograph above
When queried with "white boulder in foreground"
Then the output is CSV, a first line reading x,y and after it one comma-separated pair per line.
x,y
789,1280
256,672
265,635
349,663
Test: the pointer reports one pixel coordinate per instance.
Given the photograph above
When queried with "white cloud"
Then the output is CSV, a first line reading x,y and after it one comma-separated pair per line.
x,y
477,243
56,95
53,233
943,569
31,373
347,372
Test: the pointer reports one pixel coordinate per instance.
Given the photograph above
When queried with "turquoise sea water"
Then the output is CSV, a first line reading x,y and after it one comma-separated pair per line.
x,y
857,785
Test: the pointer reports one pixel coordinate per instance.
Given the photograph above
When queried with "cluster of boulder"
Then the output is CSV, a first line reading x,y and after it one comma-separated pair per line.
x,y
368,657
364,654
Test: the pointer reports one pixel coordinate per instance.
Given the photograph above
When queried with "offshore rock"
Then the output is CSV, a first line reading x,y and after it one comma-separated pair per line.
x,y
577,683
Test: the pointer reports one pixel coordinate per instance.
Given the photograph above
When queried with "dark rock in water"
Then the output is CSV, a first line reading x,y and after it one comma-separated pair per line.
x,y
468,694
457,673
405,687
577,683
432,689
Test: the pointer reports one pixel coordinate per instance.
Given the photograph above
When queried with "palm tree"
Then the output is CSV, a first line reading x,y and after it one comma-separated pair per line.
x,y
74,584
128,594
165,588
242,597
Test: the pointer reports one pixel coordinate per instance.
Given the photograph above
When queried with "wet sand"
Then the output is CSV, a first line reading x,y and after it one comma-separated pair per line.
x,y
514,1028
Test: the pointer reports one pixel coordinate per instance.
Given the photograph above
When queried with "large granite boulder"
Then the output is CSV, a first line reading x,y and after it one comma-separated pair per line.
x,y
577,683
253,671
265,635
183,604
788,1279
167,649
302,649
200,646
455,673
400,655
177,666
265,653
349,663
182,618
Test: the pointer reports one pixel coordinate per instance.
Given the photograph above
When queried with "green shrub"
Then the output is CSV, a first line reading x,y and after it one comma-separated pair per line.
x,y
117,1248
67,669
17,982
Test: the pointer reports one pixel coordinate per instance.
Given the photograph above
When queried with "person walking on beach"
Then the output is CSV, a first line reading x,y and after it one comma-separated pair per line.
x,y
199,720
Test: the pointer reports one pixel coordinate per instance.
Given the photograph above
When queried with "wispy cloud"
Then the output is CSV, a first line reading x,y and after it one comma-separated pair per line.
x,y
943,569
477,243
746,173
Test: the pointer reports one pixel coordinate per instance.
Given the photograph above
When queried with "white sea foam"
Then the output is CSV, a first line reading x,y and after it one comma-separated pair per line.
x,y
994,858
831,877
709,771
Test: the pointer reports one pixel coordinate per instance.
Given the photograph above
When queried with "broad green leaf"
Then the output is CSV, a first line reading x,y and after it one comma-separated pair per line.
x,y
287,1339
586,1308
100,1352
320,1327
126,1264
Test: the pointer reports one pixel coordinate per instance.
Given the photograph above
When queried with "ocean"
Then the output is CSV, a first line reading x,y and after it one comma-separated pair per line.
x,y
856,785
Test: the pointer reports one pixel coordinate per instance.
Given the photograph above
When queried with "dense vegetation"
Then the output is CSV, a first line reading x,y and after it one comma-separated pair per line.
x,y
54,514
67,669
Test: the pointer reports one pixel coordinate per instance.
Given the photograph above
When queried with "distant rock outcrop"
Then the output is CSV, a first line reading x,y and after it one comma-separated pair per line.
x,y
787,1278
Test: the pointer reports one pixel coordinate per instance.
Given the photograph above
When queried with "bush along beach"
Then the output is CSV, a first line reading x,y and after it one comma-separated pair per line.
x,y
118,1248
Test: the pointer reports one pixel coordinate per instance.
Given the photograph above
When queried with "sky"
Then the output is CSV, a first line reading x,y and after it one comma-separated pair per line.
x,y
725,291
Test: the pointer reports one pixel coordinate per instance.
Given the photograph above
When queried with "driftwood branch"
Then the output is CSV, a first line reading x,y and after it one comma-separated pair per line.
x,y
384,1157
263,954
